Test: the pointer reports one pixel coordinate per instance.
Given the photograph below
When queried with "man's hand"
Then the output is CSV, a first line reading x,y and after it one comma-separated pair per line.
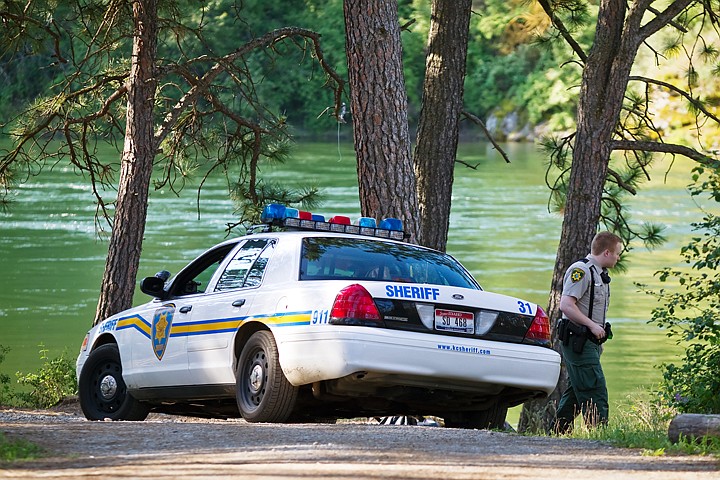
x,y
597,330
568,305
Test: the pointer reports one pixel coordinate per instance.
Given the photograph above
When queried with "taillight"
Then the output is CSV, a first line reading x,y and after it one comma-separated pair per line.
x,y
539,332
354,306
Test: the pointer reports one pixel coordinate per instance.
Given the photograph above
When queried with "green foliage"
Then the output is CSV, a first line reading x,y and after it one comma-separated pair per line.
x,y
690,314
54,381
492,82
515,61
644,424
640,424
506,67
13,450
550,96
249,92
5,391
250,201
627,175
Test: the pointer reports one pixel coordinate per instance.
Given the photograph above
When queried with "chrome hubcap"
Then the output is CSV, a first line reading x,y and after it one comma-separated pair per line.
x,y
108,387
256,378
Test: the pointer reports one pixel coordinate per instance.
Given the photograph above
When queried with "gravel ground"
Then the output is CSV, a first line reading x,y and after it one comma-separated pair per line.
x,y
181,447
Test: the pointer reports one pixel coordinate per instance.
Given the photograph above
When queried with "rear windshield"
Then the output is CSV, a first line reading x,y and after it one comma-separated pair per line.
x,y
333,258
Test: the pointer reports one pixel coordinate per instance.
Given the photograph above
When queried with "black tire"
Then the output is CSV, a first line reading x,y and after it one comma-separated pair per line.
x,y
492,418
263,393
102,390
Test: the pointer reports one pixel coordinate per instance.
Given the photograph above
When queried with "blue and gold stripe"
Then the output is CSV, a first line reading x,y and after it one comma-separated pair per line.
x,y
134,321
215,325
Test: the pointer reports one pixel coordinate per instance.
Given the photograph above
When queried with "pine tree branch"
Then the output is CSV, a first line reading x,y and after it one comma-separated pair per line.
x,y
477,121
564,32
257,130
675,24
648,146
105,108
201,84
664,18
618,179
695,103
45,26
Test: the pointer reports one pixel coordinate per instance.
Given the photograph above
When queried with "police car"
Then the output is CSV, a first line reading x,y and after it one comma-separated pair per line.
x,y
315,321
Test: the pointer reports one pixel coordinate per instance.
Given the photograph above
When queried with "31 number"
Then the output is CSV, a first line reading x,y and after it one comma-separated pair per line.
x,y
524,307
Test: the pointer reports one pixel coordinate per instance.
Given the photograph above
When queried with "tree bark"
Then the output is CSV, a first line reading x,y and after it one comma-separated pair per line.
x,y
378,104
438,127
694,426
605,79
136,168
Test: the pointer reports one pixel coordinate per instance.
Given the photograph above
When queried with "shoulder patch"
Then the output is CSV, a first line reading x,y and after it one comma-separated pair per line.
x,y
577,274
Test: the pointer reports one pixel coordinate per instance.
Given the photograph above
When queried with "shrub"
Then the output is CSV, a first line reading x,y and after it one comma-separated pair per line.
x,y
691,314
5,391
54,381
643,423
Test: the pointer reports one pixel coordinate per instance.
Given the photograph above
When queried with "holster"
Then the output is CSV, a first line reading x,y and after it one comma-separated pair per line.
x,y
562,331
608,335
571,333
578,336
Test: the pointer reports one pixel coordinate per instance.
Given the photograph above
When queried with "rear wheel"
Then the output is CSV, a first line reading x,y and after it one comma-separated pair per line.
x,y
102,390
263,393
492,418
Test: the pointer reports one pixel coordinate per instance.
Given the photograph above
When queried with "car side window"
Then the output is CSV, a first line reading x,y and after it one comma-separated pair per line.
x,y
255,275
246,267
199,283
196,276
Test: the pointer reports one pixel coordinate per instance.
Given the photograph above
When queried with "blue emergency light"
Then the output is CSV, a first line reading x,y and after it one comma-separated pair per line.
x,y
278,215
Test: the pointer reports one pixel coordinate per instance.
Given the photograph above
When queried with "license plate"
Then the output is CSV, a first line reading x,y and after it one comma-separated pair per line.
x,y
454,321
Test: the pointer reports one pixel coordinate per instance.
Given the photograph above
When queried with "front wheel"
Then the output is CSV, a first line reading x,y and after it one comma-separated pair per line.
x,y
263,393
102,391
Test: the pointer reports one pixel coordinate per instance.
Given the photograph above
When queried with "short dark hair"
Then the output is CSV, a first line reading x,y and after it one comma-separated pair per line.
x,y
604,241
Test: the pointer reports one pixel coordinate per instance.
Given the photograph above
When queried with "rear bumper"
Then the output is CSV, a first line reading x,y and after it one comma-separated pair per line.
x,y
422,360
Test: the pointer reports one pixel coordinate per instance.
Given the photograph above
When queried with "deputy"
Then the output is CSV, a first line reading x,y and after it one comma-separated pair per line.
x,y
586,278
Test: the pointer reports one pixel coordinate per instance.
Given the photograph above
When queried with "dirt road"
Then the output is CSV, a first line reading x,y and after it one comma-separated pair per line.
x,y
178,447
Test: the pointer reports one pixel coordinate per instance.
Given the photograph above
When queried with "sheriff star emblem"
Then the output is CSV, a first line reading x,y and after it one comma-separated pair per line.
x,y
577,274
160,329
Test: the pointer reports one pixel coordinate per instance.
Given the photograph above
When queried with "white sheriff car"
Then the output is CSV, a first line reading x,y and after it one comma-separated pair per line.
x,y
321,321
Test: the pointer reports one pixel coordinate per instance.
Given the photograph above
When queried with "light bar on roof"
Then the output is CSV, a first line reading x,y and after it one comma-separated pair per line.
x,y
278,215
367,225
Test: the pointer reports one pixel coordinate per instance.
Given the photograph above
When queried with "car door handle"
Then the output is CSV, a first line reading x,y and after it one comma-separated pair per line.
x,y
239,303
185,309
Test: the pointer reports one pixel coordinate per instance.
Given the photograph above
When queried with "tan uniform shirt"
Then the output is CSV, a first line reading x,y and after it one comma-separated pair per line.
x,y
577,284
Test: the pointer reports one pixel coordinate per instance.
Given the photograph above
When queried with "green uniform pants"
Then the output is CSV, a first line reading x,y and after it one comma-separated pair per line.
x,y
587,390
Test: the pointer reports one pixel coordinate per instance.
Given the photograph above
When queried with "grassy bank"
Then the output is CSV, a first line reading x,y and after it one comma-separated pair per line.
x,y
644,425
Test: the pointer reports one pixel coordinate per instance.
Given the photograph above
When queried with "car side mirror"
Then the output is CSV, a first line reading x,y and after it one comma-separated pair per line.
x,y
153,286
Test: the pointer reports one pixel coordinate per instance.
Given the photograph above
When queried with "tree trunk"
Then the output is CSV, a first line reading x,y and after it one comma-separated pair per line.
x,y
605,78
118,284
437,136
694,426
378,104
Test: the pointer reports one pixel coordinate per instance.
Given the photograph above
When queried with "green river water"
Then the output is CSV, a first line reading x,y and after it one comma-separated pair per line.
x,y
52,259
